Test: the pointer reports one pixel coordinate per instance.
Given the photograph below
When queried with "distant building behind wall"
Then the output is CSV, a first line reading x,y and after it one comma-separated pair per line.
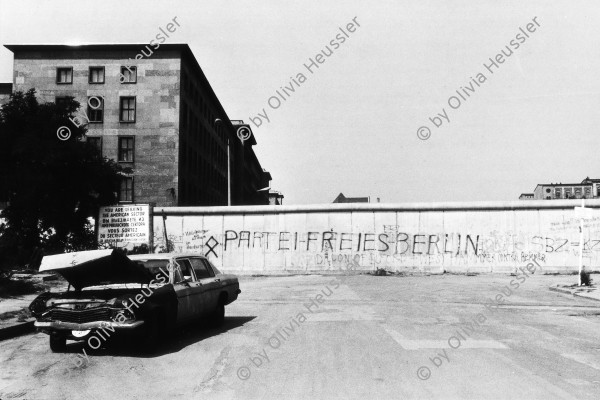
x,y
587,189
343,199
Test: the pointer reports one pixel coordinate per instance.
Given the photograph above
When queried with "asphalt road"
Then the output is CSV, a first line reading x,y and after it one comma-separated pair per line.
x,y
432,337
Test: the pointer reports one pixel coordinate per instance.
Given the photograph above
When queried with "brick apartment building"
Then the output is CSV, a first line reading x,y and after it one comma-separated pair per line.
x,y
157,114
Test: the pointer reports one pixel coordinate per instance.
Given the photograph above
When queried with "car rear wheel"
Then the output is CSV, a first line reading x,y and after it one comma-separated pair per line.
x,y
58,343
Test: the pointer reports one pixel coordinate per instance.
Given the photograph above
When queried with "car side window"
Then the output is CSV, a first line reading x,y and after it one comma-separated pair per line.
x,y
202,272
186,269
208,267
177,277
217,272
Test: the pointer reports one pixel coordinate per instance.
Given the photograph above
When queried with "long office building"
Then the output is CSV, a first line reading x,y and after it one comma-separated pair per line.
x,y
156,114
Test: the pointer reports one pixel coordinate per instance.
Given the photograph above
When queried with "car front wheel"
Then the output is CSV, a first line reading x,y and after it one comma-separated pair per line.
x,y
151,338
58,343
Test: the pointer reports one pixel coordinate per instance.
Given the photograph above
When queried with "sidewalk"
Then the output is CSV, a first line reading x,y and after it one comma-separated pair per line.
x,y
15,318
588,292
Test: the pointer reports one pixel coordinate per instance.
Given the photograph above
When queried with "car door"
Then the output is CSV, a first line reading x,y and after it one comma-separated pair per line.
x,y
195,291
210,286
184,290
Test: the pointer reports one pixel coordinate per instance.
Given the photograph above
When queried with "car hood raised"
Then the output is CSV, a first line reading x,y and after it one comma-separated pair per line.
x,y
96,267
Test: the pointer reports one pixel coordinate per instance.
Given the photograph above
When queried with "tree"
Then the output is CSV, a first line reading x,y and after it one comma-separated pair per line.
x,y
52,183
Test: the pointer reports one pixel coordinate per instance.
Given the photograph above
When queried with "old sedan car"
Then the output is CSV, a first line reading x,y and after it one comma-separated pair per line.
x,y
147,294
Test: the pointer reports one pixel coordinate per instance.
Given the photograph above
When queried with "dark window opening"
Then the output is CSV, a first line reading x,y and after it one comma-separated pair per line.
x,y
127,109
64,75
126,192
96,75
126,149
128,74
95,109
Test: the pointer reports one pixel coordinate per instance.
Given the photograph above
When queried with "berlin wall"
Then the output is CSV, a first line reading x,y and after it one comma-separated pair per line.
x,y
478,237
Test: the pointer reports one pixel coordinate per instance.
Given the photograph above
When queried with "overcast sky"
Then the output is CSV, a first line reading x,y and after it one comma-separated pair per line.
x,y
351,126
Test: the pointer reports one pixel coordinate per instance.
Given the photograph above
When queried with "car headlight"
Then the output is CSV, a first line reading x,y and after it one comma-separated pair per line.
x,y
127,315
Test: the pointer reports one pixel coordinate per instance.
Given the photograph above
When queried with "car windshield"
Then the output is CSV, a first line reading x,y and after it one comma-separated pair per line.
x,y
154,266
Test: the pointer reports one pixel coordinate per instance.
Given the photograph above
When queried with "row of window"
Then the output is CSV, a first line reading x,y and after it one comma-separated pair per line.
x,y
126,147
576,192
126,190
64,75
192,269
95,110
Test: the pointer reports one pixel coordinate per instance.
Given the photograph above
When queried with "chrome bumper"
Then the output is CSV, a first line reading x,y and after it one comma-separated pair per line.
x,y
88,325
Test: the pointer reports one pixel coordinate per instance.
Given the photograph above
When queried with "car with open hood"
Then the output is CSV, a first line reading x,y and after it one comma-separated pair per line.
x,y
144,294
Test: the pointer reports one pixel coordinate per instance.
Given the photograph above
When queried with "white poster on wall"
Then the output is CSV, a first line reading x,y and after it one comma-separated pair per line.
x,y
124,225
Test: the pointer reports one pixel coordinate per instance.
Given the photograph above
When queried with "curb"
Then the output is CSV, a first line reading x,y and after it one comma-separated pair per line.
x,y
586,296
559,290
16,330
574,293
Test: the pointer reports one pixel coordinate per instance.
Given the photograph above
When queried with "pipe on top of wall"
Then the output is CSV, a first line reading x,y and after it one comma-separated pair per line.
x,y
378,207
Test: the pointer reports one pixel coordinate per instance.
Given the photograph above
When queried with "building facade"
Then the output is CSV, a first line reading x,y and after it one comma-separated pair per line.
x,y
156,114
587,189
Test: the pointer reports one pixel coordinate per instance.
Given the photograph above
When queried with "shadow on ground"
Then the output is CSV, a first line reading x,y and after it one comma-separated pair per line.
x,y
174,343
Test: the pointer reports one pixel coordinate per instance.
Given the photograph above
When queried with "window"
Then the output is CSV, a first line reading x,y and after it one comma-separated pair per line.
x,y
186,269
62,101
557,193
201,270
211,267
96,75
95,141
588,192
547,190
127,109
95,109
158,268
128,74
64,75
177,274
126,149
567,193
126,192
578,193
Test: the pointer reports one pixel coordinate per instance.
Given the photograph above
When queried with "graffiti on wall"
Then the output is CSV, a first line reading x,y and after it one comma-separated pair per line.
x,y
389,246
